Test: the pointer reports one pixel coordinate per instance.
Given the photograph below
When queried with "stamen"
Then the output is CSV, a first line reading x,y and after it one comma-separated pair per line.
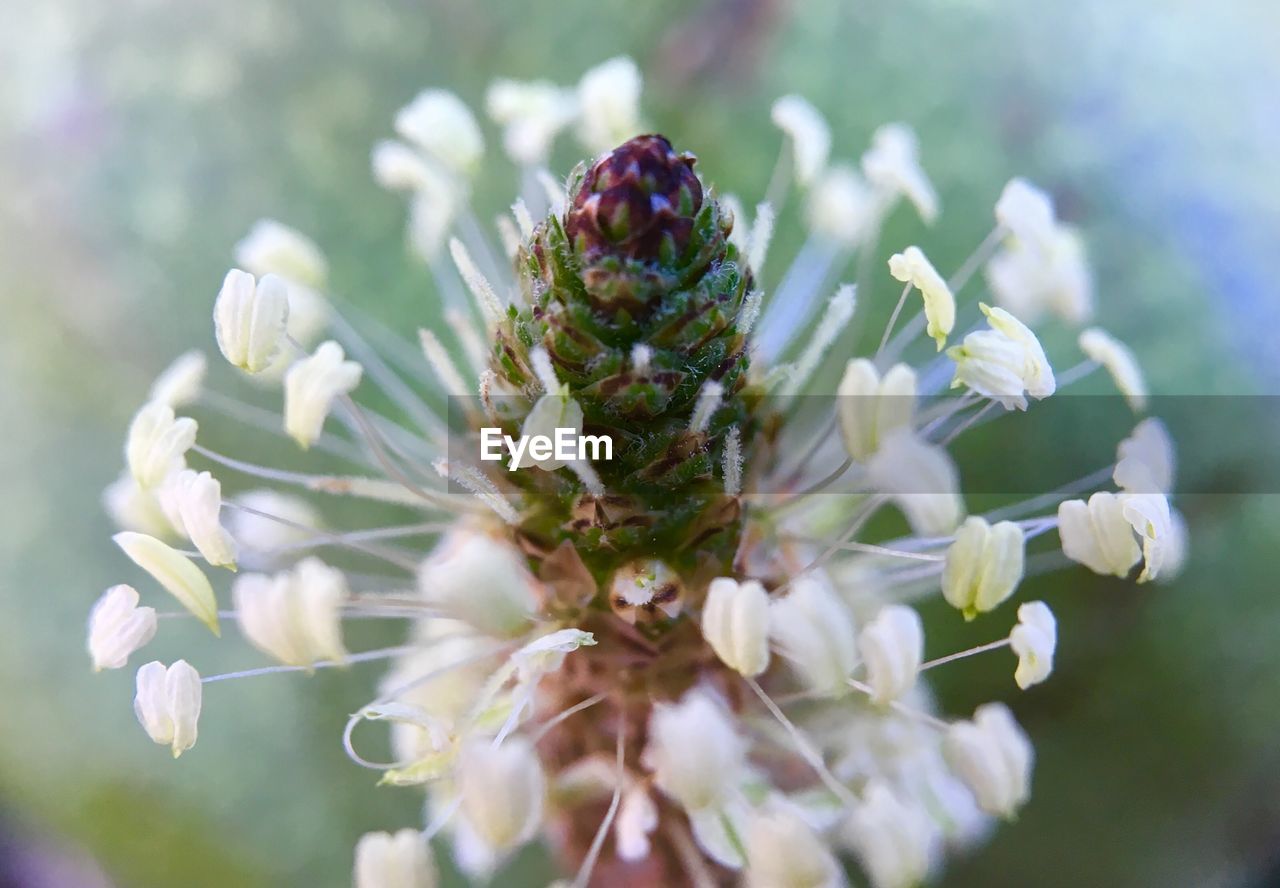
x,y
593,853
893,321
545,728
323,537
811,756
269,421
1053,497
365,657
899,706
951,658
1076,373
868,548
968,423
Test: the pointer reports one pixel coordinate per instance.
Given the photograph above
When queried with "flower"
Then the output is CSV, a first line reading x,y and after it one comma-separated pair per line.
x,y
118,627
1003,361
588,645
892,648
983,566
1111,353
310,387
394,860
175,572
993,756
912,267
735,622
809,134
193,503
294,616
871,406
249,319
168,704
158,442
1034,640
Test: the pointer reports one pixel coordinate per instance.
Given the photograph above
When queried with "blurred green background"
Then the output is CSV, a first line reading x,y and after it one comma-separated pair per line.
x,y
139,139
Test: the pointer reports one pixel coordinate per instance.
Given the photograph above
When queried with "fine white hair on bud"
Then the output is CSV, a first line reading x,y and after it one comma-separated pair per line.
x,y
249,319
271,247
871,407
694,751
157,443
911,266
295,616
167,704
1034,639
118,627
735,622
609,104
1005,362
310,387
983,566
894,841
394,860
1146,461
922,480
175,572
993,757
481,581
180,383
841,206
193,502
783,850
809,133
892,165
892,649
502,789
814,631
1026,212
444,129
1120,362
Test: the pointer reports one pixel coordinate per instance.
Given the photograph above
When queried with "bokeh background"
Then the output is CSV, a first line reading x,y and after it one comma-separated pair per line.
x,y
139,139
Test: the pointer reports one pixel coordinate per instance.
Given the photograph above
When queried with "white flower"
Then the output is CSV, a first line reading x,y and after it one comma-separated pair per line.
x,y
181,381
1030,282
502,791
637,819
783,852
193,502
609,102
1034,640
1120,362
1146,460
1003,362
892,649
993,756
532,112
399,860
814,631
157,443
871,407
273,248
911,266
922,479
1026,212
892,164
1098,535
310,387
894,840
984,565
443,127
168,704
841,206
809,133
249,319
132,508
118,627
694,751
481,581
294,616
175,572
735,622
260,538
